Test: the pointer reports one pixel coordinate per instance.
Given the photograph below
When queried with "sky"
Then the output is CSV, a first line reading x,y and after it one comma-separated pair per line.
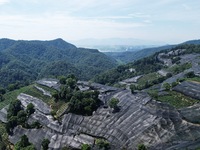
x,y
170,21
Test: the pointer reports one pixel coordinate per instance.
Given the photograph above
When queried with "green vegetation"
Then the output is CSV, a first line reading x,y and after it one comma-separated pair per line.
x,y
133,87
1,98
146,65
148,77
113,104
153,93
167,86
142,147
25,61
176,60
2,91
102,144
15,116
177,100
24,144
174,98
190,74
18,116
30,109
195,79
51,90
45,144
11,96
142,66
149,80
85,147
31,90
179,68
78,102
3,137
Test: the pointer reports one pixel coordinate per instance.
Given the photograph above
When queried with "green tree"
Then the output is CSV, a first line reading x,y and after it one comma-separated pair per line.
x,y
55,95
102,144
62,80
153,93
2,91
142,147
71,83
21,117
45,144
1,98
174,84
133,88
24,142
30,109
14,108
190,74
85,147
169,75
36,125
2,145
11,124
167,86
113,103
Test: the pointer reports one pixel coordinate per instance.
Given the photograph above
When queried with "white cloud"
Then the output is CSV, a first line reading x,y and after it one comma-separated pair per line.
x,y
3,1
77,19
67,27
140,15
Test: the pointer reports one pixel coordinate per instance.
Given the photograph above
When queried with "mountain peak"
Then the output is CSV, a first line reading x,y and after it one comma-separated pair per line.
x,y
60,43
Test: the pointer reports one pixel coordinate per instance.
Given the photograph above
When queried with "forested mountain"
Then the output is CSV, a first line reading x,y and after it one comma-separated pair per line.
x,y
24,61
195,42
145,65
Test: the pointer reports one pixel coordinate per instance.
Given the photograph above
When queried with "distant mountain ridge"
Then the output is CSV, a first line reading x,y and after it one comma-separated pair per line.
x,y
28,60
195,42
129,56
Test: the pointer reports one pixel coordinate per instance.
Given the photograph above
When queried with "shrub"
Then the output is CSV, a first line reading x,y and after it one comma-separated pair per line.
x,y
190,74
30,109
45,144
113,103
103,144
142,147
167,86
85,147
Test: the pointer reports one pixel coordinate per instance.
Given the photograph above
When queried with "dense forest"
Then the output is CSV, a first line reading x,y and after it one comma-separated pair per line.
x,y
24,61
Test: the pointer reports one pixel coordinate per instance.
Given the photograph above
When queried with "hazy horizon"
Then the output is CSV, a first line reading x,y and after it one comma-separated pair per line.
x,y
167,21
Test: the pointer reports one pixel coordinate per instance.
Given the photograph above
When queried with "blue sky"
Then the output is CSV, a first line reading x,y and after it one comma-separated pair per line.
x,y
170,21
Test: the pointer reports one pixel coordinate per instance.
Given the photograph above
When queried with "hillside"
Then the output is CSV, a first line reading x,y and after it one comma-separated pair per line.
x,y
130,56
25,61
153,103
145,65
143,116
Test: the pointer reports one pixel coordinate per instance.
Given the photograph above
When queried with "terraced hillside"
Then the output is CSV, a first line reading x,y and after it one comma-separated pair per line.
x,y
141,120
158,109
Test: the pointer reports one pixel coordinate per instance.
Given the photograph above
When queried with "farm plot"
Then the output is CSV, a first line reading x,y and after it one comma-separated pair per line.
x,y
189,89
